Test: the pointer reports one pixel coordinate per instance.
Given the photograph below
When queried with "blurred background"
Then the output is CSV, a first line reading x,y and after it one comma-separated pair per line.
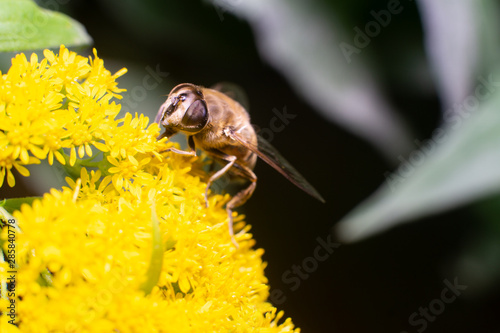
x,y
388,108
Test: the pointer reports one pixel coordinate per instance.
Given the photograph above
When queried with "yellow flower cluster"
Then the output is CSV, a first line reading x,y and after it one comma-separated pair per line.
x,y
129,246
61,102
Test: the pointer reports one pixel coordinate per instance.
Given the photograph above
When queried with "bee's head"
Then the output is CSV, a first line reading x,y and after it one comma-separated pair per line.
x,y
184,110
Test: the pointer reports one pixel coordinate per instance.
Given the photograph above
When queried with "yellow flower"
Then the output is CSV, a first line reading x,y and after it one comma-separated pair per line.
x,y
63,101
67,67
128,169
129,246
7,162
132,137
100,76
92,186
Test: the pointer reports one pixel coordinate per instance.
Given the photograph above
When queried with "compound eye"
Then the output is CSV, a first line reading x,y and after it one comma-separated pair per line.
x,y
182,97
196,117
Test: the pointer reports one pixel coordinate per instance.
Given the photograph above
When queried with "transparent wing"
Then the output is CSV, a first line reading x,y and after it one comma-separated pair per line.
x,y
233,91
272,157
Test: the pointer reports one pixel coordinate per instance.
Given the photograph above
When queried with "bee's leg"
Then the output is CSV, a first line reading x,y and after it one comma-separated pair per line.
x,y
230,159
241,197
191,144
162,135
179,151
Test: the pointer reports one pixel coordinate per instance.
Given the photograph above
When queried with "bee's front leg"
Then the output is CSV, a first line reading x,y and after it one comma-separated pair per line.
x,y
180,152
191,152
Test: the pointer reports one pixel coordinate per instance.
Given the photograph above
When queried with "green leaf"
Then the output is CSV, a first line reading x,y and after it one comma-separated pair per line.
x,y
460,37
14,204
460,164
45,279
156,263
25,26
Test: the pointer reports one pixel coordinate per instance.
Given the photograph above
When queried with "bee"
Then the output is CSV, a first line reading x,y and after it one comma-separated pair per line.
x,y
220,126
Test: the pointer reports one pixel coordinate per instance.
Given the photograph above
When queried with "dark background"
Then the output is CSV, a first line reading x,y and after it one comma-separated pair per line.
x,y
370,286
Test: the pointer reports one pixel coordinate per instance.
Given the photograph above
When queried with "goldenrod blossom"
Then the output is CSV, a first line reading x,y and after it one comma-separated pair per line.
x,y
129,246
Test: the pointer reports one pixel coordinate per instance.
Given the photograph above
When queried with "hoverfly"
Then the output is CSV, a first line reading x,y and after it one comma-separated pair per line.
x,y
220,126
